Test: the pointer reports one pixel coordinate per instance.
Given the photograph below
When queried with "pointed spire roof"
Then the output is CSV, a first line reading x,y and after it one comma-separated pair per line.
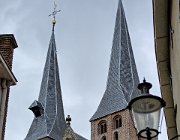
x,y
122,77
52,122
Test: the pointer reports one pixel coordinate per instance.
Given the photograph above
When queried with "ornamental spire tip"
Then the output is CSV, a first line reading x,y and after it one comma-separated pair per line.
x,y
53,14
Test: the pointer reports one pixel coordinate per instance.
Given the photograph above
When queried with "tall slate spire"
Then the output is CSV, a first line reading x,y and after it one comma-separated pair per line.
x,y
50,121
122,77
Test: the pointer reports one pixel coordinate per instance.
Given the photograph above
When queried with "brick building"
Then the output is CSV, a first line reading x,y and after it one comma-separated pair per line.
x,y
112,120
7,78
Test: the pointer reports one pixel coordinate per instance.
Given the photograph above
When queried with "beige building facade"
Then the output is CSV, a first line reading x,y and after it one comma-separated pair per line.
x,y
7,78
167,49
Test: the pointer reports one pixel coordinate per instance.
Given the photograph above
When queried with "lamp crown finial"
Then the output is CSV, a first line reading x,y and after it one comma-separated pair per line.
x,y
144,80
144,87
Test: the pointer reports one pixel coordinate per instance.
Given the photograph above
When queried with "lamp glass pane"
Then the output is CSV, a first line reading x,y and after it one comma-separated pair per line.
x,y
146,112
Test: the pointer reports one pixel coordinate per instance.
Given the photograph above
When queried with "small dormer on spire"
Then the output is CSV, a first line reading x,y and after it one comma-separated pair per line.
x,y
53,14
37,108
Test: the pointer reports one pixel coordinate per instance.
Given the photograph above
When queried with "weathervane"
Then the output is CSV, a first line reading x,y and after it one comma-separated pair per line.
x,y
53,14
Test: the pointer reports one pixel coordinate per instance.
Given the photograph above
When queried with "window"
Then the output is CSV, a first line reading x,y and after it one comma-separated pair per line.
x,y
175,111
70,139
179,9
102,127
117,122
103,138
116,136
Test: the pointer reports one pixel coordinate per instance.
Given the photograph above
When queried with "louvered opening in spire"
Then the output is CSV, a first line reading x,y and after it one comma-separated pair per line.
x,y
122,77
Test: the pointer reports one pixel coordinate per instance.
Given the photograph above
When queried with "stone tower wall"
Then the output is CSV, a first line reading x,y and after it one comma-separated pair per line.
x,y
126,132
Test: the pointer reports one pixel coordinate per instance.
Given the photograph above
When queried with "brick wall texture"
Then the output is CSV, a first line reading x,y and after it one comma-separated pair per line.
x,y
7,46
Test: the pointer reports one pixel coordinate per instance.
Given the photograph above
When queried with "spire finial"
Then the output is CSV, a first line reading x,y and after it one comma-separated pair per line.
x,y
53,14
68,120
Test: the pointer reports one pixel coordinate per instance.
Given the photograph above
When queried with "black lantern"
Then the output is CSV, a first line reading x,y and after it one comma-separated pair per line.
x,y
146,110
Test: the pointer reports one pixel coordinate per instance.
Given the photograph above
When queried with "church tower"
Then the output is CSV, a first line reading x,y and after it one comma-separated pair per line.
x,y
112,120
49,122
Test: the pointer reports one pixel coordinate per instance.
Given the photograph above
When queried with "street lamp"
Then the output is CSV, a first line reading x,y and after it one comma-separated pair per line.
x,y
146,110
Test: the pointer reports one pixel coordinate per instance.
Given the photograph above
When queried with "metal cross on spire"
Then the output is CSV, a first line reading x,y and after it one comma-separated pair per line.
x,y
53,14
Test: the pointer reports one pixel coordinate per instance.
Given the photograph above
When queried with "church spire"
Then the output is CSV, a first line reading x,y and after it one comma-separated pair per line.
x,y
122,77
49,121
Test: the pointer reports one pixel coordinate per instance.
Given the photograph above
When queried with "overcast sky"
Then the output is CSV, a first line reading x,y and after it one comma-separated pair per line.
x,y
84,33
